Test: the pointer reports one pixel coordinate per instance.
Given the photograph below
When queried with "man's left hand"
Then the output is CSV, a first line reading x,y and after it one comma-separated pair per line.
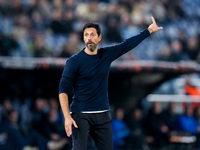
x,y
153,27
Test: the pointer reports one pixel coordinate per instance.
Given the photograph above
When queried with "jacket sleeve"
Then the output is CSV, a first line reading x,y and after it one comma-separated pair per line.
x,y
68,76
127,45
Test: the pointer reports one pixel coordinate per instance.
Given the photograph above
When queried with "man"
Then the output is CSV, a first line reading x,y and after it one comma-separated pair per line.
x,y
87,72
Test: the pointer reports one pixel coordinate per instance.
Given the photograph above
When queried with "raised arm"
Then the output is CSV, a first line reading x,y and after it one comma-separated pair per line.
x,y
118,50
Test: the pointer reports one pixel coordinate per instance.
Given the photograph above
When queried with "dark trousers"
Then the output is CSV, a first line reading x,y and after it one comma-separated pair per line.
x,y
97,125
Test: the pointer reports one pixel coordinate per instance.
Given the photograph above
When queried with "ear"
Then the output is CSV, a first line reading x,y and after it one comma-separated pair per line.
x,y
99,37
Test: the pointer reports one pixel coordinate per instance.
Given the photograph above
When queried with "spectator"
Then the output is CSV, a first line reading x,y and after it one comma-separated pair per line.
x,y
39,111
165,54
57,4
177,53
120,129
6,107
170,115
127,26
198,56
127,4
56,24
21,27
69,4
38,22
4,144
8,45
32,7
197,117
39,49
141,13
158,10
68,21
178,9
16,8
112,13
138,139
3,8
192,48
54,131
89,11
192,91
197,114
18,138
112,33
46,10
156,127
66,51
187,123
53,104
74,43
174,9
182,38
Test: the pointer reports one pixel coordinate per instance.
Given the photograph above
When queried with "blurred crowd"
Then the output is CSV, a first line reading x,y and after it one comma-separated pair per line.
x,y
53,28
156,127
39,125
32,125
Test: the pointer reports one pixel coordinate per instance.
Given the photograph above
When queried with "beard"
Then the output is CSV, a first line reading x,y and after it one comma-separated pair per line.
x,y
91,47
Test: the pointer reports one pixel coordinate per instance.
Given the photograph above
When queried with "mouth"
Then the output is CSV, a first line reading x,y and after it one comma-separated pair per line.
x,y
90,44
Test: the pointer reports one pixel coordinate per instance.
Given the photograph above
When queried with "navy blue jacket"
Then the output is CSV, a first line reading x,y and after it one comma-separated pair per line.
x,y
88,75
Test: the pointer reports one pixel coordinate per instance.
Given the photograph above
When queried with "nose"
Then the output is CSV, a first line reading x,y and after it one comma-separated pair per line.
x,y
89,37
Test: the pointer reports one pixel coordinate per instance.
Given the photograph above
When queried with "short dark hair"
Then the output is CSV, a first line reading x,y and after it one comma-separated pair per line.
x,y
92,25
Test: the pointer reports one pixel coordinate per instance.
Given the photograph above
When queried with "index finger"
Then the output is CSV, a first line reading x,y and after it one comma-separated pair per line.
x,y
153,20
68,131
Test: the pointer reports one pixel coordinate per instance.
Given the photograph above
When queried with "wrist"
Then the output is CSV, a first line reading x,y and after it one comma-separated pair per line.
x,y
150,30
67,115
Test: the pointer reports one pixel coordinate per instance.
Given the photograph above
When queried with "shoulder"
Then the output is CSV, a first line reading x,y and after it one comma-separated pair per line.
x,y
101,50
71,64
105,50
74,58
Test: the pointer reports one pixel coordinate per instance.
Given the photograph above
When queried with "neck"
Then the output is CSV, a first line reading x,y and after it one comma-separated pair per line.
x,y
87,51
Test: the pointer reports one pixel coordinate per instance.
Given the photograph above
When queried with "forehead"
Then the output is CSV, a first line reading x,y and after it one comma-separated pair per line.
x,y
90,30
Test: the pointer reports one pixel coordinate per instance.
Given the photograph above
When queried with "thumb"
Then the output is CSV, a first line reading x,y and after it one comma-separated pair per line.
x,y
74,123
160,28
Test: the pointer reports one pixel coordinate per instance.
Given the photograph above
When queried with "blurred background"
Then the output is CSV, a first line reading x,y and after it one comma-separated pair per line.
x,y
153,90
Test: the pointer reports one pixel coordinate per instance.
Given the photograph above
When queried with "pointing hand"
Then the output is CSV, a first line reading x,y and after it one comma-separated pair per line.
x,y
153,27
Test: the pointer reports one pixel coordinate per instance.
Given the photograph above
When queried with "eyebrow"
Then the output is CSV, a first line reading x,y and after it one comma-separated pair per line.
x,y
90,33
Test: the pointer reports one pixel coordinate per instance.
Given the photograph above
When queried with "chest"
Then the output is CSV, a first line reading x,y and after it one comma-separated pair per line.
x,y
91,69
